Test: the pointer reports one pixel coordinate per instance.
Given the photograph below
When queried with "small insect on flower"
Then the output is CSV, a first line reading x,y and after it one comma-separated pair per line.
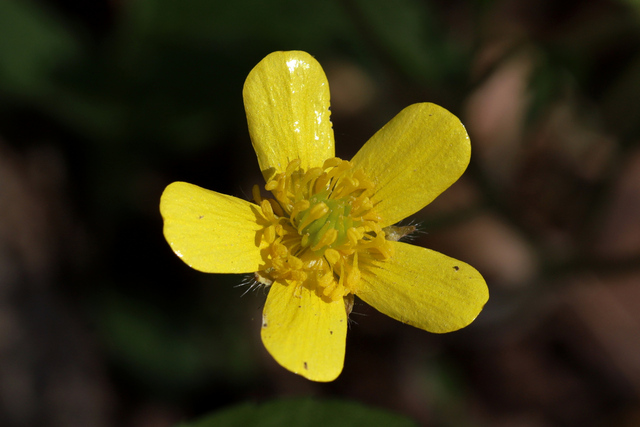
x,y
326,230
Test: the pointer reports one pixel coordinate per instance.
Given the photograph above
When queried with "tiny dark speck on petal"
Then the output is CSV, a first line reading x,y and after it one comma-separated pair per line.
x,y
201,216
305,365
456,268
331,332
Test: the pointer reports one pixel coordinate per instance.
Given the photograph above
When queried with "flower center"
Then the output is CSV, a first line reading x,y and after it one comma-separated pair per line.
x,y
318,224
324,223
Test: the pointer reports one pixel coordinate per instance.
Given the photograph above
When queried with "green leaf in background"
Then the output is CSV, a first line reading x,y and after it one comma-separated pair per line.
x,y
33,44
247,27
412,36
306,412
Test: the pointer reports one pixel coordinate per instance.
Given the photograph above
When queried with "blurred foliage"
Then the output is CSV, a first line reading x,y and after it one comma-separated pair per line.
x,y
135,94
302,413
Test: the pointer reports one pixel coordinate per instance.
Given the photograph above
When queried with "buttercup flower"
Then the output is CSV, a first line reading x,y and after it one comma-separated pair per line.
x,y
326,233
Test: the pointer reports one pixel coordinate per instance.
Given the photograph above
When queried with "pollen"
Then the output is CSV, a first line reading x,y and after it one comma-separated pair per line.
x,y
319,222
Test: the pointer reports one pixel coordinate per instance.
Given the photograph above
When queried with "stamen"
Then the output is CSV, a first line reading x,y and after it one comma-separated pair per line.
x,y
331,163
269,234
255,192
267,210
315,213
353,277
300,206
332,256
277,209
321,222
328,237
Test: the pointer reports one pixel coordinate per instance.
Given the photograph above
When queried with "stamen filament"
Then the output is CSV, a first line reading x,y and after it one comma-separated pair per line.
x,y
321,221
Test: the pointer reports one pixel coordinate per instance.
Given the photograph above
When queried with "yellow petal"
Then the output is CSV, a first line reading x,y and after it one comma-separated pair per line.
x,y
211,232
414,158
304,333
423,288
286,98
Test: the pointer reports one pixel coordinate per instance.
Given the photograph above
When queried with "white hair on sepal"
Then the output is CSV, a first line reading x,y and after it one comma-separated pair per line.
x,y
350,303
418,231
254,282
403,233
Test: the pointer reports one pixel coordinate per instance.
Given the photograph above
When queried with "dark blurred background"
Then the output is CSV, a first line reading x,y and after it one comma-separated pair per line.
x,y
104,103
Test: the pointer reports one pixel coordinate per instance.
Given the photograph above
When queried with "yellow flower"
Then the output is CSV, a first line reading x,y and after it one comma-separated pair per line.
x,y
326,232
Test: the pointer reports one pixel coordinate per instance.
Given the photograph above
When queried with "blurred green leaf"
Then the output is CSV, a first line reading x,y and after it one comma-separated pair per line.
x,y
634,3
285,24
33,44
306,412
411,34
171,343
148,344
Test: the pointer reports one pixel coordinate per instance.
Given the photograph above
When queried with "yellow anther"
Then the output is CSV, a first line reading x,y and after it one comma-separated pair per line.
x,y
311,175
385,249
298,275
255,192
271,185
337,293
327,238
292,166
332,256
326,279
345,187
316,212
372,216
295,262
331,163
267,210
353,277
320,220
269,234
329,289
279,251
355,234
298,207
276,208
320,184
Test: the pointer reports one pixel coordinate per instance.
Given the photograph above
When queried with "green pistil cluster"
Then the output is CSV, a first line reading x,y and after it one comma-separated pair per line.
x,y
325,223
320,222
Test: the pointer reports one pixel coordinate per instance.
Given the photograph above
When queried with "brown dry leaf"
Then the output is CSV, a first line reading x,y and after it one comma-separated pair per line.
x,y
620,235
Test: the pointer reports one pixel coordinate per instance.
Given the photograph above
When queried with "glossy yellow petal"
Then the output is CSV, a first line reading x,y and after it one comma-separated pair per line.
x,y
304,333
414,158
286,98
211,232
423,288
